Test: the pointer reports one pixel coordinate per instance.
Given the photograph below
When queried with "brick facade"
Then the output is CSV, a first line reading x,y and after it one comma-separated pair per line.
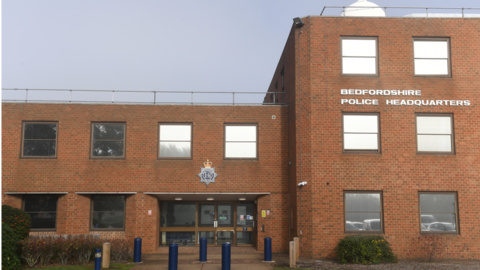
x,y
399,172
73,171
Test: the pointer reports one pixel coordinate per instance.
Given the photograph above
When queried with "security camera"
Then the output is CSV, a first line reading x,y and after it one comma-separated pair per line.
x,y
301,184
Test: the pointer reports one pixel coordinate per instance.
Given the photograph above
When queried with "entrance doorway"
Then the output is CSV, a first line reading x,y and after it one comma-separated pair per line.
x,y
186,222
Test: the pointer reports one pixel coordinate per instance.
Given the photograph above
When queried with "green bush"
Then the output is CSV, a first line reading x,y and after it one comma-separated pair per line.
x,y
365,249
10,260
17,219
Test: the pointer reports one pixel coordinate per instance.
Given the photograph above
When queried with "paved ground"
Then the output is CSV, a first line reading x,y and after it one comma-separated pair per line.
x,y
205,267
190,262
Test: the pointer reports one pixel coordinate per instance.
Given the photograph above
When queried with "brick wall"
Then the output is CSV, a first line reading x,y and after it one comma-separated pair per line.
x,y
398,171
73,171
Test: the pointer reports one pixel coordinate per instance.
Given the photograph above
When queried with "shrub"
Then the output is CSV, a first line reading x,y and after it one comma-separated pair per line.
x,y
10,260
364,249
17,219
31,250
121,249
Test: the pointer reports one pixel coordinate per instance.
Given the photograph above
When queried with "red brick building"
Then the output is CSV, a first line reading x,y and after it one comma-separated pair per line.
x,y
380,118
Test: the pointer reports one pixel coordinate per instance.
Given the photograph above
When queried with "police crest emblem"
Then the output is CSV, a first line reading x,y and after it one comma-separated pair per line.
x,y
207,175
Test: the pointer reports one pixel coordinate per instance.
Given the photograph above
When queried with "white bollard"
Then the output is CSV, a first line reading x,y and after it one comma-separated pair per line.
x,y
106,255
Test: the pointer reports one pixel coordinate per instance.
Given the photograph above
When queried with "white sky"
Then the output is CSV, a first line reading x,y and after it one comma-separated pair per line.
x,y
208,45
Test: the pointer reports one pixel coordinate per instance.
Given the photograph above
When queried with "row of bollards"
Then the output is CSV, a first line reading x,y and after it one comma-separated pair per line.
x,y
173,253
226,253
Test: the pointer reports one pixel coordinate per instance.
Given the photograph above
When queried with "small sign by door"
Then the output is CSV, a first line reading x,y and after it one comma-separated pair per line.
x,y
264,213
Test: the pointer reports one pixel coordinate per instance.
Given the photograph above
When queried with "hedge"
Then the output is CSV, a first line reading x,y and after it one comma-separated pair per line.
x,y
10,260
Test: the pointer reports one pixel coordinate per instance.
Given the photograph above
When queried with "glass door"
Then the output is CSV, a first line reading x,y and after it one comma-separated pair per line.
x,y
225,228
207,223
245,225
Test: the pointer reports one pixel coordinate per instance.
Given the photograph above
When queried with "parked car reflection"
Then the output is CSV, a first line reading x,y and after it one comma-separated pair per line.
x,y
441,226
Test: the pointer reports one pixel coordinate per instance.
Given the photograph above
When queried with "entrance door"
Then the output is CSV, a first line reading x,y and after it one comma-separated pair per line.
x,y
186,222
216,223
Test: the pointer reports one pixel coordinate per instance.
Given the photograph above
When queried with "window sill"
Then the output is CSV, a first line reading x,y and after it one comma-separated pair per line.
x,y
38,157
364,232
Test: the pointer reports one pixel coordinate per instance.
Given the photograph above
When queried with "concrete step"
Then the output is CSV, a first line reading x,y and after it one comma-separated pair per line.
x,y
264,266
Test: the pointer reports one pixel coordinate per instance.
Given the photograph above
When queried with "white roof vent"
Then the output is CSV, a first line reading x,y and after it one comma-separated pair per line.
x,y
361,8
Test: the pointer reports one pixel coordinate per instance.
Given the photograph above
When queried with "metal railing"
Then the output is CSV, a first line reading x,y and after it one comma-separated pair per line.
x,y
151,98
385,8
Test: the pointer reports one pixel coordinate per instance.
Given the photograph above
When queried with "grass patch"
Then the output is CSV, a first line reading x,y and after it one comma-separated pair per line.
x,y
118,266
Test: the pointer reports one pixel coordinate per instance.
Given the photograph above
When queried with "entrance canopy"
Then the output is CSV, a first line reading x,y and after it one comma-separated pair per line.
x,y
202,196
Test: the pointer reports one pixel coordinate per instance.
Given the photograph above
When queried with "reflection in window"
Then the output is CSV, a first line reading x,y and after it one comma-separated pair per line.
x,y
42,209
438,212
434,133
225,215
108,212
177,214
240,141
245,215
39,139
360,132
363,211
181,238
359,56
244,238
431,57
175,141
108,140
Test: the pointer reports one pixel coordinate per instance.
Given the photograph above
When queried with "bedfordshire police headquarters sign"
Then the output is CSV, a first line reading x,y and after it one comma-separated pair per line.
x,y
207,175
412,102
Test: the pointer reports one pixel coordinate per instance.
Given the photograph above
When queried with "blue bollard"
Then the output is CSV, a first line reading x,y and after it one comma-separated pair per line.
x,y
226,256
98,259
173,256
203,249
268,249
137,250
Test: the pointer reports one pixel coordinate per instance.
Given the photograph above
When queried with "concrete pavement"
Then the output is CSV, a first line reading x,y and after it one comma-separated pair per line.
x,y
265,266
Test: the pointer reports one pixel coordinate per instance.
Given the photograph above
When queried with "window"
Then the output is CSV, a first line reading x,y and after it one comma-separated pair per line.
x,y
431,56
359,56
363,211
438,212
241,141
39,139
108,212
434,133
108,140
175,141
43,211
361,132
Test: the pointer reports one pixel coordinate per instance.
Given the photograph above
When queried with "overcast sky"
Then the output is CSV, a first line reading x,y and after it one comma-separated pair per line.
x,y
196,45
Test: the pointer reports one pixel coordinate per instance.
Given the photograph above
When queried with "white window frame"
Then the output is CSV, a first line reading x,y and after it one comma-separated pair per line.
x,y
160,140
343,57
369,151
227,142
448,57
452,133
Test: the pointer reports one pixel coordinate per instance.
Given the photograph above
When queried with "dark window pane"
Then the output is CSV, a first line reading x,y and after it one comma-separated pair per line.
x,y
244,238
181,238
108,220
39,148
108,132
108,203
40,203
40,131
225,215
177,214
43,220
224,237
209,235
112,149
206,215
